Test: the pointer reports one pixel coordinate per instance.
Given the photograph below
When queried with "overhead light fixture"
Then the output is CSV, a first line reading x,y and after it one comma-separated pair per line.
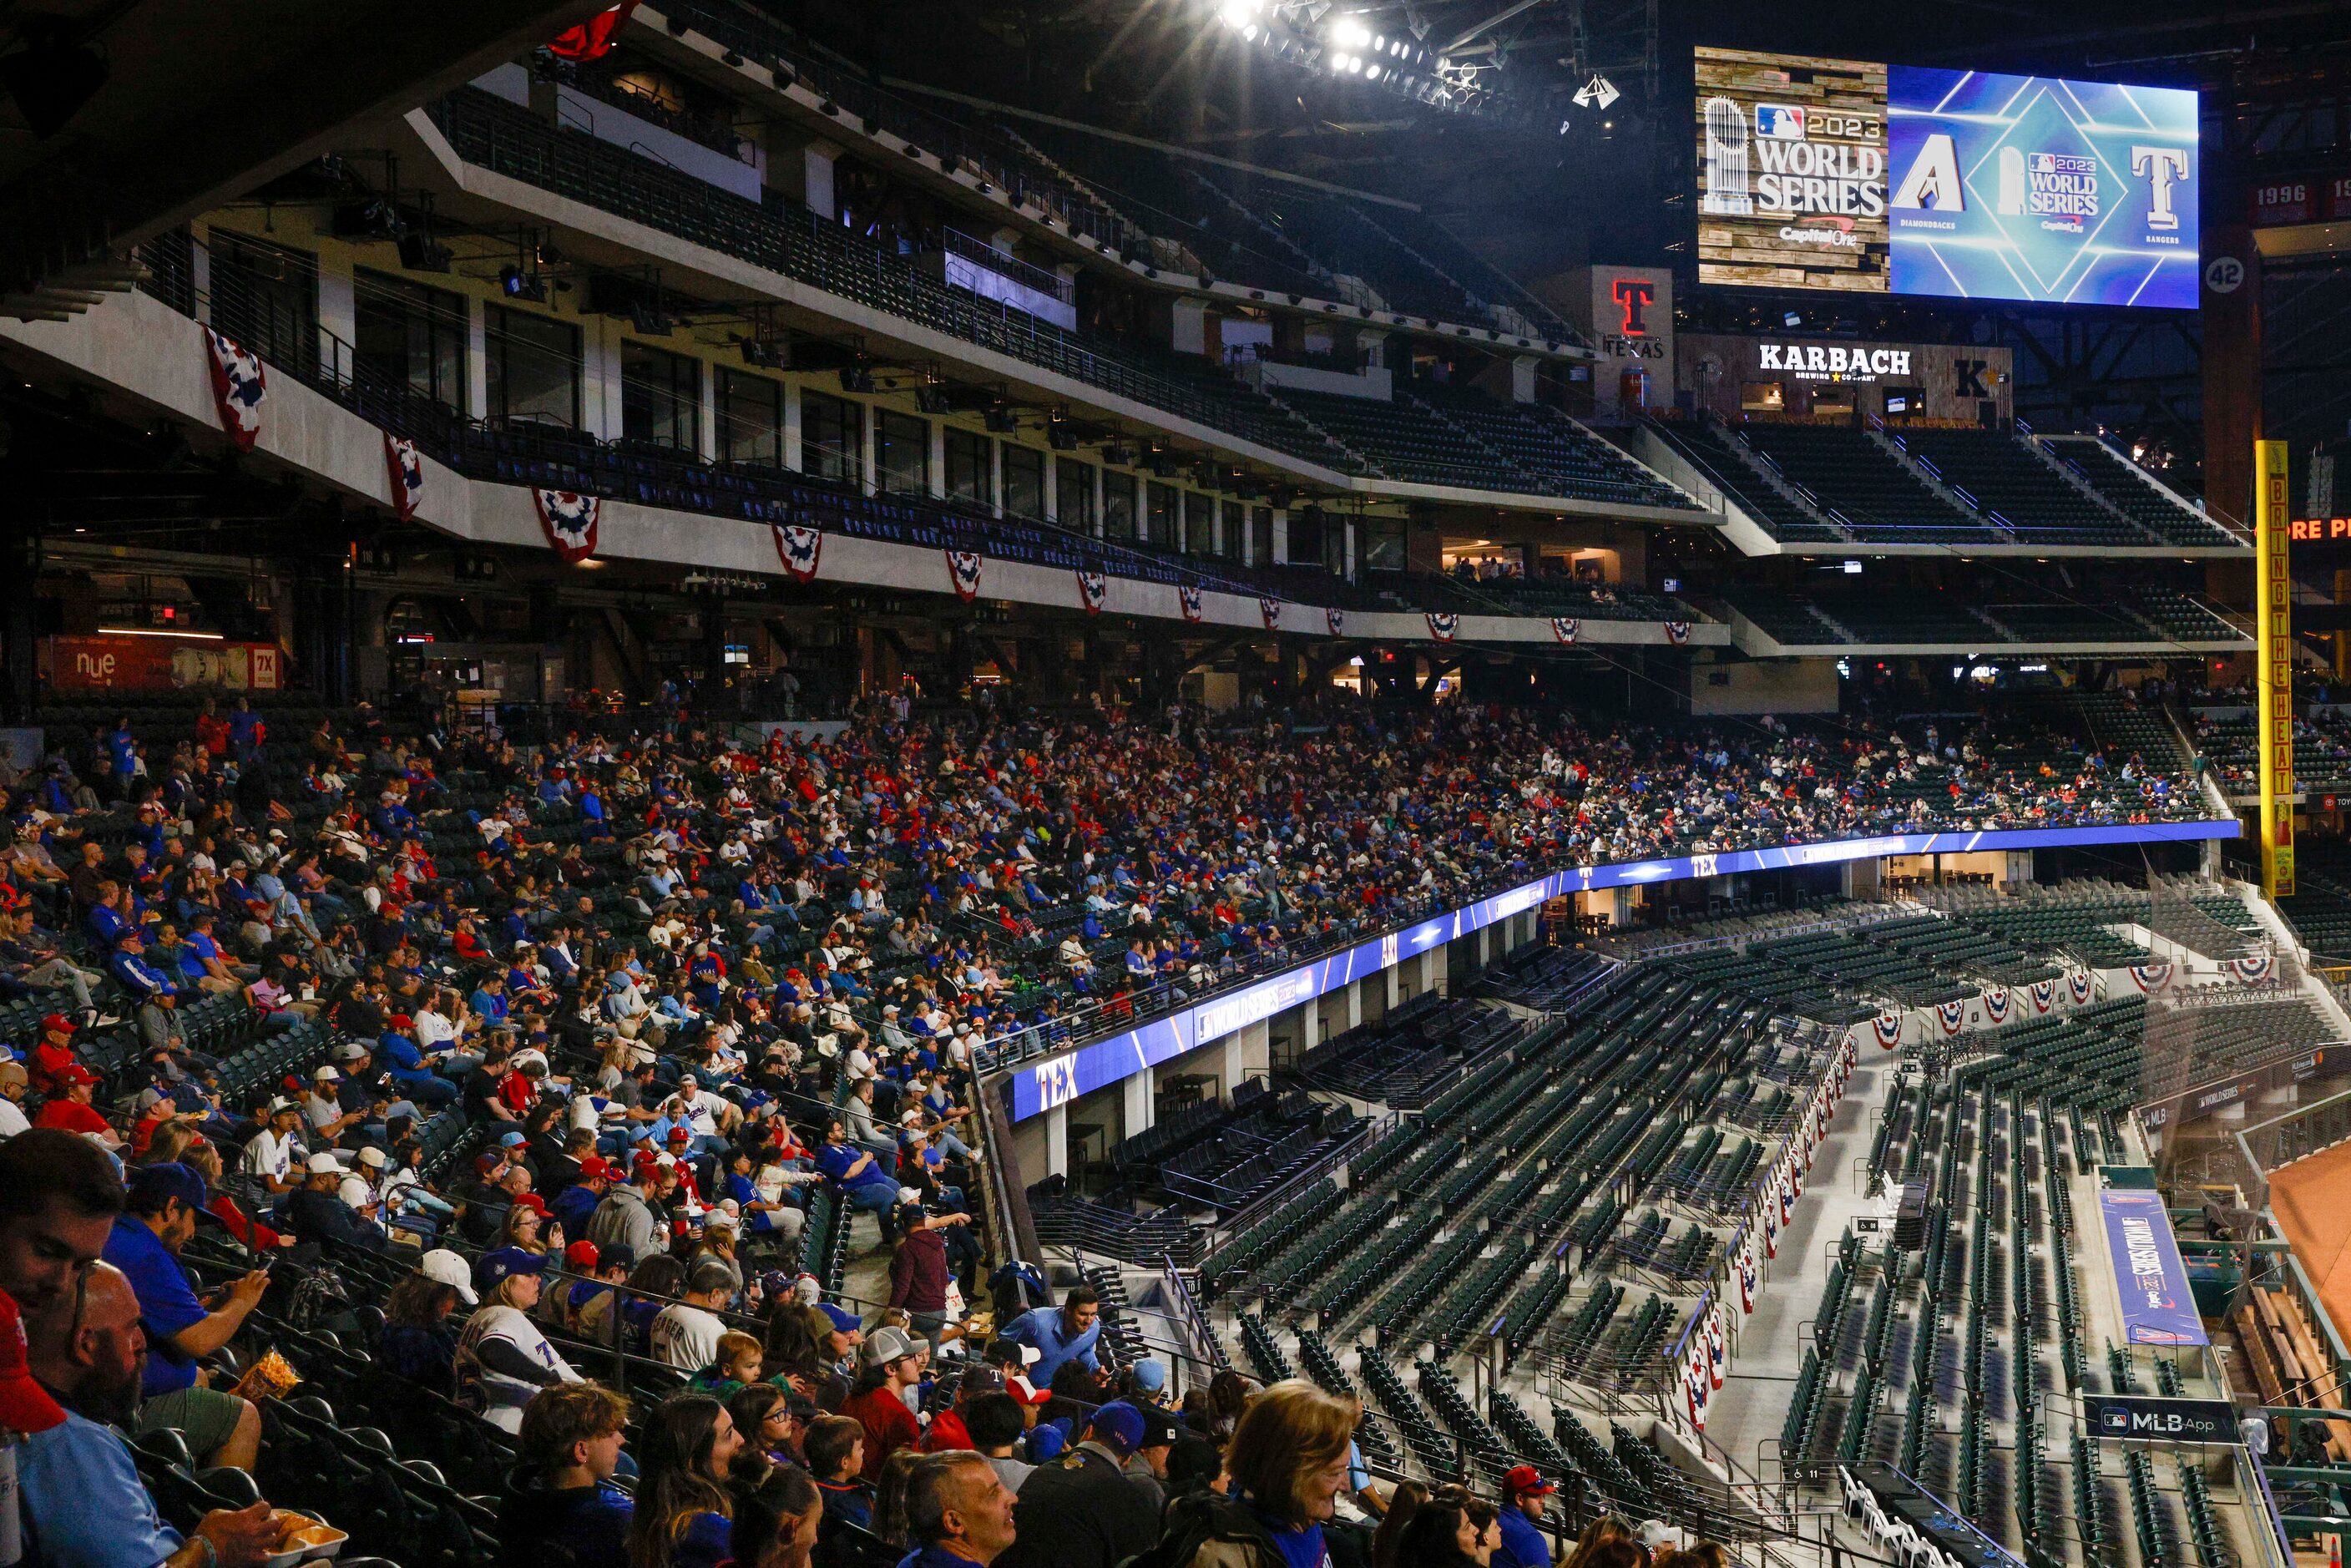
x,y
148,632
420,252
1597,93
51,79
517,283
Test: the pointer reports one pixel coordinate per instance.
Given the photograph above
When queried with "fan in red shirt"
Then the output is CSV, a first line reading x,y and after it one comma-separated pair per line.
x,y
877,1403
71,1111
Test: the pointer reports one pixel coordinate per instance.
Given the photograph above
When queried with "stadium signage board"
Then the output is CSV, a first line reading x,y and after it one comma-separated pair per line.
x,y
2150,1281
1889,179
1037,1087
2126,1417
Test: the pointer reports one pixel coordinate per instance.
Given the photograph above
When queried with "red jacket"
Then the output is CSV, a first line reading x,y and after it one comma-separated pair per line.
x,y
889,1425
918,1273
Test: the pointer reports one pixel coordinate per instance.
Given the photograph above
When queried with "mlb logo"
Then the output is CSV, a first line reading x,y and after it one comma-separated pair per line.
x,y
1780,121
2116,1420
2044,162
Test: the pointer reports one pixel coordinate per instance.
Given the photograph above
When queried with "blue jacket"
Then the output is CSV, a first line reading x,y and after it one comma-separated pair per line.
x,y
1523,1545
1055,1344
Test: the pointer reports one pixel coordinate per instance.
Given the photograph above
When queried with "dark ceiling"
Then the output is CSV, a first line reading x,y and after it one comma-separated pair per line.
x,y
1537,199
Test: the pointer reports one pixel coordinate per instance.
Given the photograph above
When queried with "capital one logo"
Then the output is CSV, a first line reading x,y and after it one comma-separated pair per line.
x,y
1633,296
1932,182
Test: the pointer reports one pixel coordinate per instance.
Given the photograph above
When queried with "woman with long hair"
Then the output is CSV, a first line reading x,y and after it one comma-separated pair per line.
x,y
776,1519
1452,1529
684,1516
417,1343
890,1521
1228,1392
771,1434
1404,1504
1600,1532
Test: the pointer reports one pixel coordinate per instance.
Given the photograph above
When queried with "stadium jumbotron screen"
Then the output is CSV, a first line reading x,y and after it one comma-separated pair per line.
x,y
1846,174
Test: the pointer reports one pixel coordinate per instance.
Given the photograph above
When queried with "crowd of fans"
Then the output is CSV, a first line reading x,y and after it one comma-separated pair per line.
x,y
590,1028
830,1441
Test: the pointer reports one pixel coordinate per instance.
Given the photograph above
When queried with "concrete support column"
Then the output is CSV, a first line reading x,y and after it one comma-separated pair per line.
x,y
1052,497
339,313
599,377
1523,377
1392,982
477,358
200,270
1057,1141
794,453
1189,332
1282,536
995,473
816,175
707,375
1371,347
1355,1006
1100,526
1485,945
1437,969
869,476
1235,1066
1141,1103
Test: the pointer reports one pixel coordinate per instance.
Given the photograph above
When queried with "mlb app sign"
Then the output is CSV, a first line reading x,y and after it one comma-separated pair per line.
x,y
1841,174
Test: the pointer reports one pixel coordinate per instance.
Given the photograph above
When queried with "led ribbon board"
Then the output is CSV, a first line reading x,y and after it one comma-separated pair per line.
x,y
1039,1086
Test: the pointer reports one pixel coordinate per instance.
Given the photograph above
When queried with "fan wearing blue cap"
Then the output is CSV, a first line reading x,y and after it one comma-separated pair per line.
x,y
1082,1511
162,1205
501,1358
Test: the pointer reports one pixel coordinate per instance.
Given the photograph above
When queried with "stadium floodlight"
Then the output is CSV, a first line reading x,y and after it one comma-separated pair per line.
x,y
1349,33
1238,14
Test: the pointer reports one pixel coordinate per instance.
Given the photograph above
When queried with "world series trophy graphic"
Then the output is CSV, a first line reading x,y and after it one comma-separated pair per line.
x,y
1725,162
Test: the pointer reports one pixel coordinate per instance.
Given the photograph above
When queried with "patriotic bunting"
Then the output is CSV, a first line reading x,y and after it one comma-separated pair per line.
x,y
1094,590
2252,971
1443,625
1887,1027
407,470
799,549
1995,1004
238,387
963,570
1336,619
592,39
2079,984
1677,633
1271,610
1566,628
568,520
2150,978
2045,995
1187,600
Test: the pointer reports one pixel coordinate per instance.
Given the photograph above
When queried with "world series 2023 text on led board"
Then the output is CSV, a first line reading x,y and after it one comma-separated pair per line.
x,y
1846,174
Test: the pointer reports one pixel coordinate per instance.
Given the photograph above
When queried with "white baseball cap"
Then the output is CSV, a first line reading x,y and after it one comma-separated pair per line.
x,y
326,1164
447,1268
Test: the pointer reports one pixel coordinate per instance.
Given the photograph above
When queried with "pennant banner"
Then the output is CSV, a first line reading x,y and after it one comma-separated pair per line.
x,y
1566,628
1188,598
2150,978
1888,1026
238,387
2252,971
1443,625
1995,1005
568,521
407,470
963,570
1094,590
799,549
1952,1016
